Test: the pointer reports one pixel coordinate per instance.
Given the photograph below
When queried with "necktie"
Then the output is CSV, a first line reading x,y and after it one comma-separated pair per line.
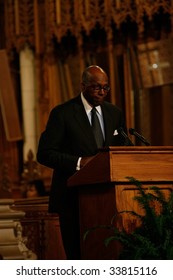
x,y
97,128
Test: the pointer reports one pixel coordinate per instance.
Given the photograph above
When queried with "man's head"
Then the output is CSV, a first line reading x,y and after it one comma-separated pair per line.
x,y
95,85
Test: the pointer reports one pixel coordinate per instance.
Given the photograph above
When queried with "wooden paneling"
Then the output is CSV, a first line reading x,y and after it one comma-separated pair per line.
x,y
8,101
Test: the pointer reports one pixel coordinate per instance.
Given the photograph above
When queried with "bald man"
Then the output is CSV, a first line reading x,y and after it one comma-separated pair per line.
x,y
69,142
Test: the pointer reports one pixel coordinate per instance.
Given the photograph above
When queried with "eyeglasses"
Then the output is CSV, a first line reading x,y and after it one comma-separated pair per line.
x,y
106,88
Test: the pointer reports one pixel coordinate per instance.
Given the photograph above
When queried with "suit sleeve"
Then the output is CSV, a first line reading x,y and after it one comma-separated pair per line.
x,y
52,142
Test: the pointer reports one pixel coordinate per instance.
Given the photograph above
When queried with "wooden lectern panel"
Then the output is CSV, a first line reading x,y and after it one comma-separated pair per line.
x,y
97,206
125,202
104,191
151,164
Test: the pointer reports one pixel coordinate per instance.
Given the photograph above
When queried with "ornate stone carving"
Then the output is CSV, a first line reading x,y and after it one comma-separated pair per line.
x,y
31,169
5,181
38,22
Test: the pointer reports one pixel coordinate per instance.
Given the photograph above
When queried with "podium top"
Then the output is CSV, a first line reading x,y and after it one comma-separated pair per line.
x,y
114,164
140,149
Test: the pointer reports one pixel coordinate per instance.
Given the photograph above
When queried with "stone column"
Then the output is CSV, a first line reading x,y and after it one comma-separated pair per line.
x,y
28,92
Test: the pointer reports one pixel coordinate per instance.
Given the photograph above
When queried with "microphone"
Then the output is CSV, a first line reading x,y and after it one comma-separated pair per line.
x,y
128,142
132,131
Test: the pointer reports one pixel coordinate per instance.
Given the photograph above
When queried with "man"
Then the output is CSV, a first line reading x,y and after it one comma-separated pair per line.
x,y
68,143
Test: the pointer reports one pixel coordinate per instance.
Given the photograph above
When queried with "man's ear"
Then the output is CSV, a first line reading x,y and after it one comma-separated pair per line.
x,y
83,87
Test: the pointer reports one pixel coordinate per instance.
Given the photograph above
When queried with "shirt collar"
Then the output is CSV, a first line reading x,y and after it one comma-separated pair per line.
x,y
87,106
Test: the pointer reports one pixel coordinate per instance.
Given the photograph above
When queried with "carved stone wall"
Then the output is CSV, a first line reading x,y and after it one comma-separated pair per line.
x,y
38,22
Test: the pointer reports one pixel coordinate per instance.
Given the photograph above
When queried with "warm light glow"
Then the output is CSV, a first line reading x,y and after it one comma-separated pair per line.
x,y
155,65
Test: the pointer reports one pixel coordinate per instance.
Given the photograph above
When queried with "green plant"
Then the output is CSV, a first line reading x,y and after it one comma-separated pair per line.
x,y
153,238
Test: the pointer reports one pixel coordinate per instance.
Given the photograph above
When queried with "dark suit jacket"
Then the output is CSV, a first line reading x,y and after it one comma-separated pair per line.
x,y
68,136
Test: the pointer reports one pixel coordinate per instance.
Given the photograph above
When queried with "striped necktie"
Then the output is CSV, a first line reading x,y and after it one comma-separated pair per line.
x,y
97,128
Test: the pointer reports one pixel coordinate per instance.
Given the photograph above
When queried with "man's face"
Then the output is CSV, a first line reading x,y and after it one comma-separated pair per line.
x,y
96,90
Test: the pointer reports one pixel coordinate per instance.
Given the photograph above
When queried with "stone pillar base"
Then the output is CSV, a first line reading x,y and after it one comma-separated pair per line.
x,y
12,243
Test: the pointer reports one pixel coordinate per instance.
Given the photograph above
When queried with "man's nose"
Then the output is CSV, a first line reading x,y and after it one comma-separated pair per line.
x,y
102,91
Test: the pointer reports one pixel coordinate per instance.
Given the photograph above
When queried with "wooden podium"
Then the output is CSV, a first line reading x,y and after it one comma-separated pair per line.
x,y
105,190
